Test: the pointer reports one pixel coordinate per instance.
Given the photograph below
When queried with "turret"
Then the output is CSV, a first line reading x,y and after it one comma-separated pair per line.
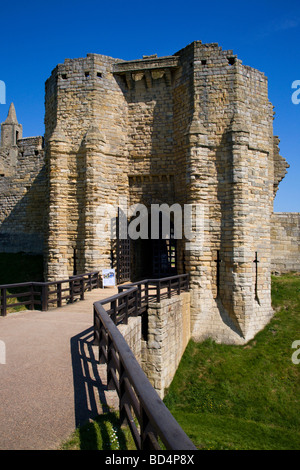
x,y
11,130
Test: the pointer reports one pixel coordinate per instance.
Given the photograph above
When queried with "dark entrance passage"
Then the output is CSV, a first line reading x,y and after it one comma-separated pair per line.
x,y
139,259
154,258
164,258
120,250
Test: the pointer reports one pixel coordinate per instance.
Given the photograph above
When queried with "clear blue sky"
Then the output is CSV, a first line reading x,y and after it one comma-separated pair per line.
x,y
36,36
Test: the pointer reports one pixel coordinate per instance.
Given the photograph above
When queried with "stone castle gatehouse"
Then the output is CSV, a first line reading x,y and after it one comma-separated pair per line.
x,y
196,128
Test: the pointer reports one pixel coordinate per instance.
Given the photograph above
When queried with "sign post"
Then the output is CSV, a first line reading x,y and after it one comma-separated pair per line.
x,y
108,278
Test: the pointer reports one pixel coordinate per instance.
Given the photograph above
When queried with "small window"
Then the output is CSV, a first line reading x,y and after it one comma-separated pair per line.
x,y
64,76
231,60
87,74
99,74
36,152
203,62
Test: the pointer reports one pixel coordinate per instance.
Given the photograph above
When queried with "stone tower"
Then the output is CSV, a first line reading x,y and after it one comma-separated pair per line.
x,y
194,128
11,130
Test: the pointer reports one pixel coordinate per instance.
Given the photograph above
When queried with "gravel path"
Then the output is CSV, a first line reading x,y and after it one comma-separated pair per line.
x,y
50,382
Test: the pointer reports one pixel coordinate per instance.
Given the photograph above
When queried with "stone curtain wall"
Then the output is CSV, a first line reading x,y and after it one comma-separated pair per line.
x,y
168,336
285,238
23,191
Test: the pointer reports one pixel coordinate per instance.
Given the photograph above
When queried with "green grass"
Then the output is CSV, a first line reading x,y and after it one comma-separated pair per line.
x,y
244,397
103,433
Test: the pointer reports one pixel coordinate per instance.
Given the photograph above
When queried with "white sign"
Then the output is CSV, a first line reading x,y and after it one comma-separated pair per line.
x,y
108,277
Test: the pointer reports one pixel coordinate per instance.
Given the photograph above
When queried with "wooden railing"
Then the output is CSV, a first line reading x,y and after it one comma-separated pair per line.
x,y
141,408
43,295
158,289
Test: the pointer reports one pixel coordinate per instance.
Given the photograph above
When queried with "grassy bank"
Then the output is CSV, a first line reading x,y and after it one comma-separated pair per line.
x,y
244,397
104,433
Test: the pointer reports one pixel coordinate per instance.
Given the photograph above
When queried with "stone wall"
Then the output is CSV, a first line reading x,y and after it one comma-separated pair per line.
x,y
285,238
23,191
168,335
132,332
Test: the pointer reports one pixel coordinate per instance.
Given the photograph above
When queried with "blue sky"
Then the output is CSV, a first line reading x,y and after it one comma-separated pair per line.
x,y
36,36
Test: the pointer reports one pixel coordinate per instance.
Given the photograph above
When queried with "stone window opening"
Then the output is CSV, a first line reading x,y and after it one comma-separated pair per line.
x,y
231,60
64,76
87,74
99,74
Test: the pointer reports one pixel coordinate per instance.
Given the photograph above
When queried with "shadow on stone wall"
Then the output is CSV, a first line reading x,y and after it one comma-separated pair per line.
x,y
23,230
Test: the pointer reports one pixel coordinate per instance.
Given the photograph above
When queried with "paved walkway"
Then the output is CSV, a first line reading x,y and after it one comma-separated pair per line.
x,y
51,382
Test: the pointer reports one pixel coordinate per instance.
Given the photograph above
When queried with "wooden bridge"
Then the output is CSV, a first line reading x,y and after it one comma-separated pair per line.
x,y
52,380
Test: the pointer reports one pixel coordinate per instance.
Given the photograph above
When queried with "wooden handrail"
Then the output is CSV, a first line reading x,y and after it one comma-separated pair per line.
x,y
125,375
135,391
45,294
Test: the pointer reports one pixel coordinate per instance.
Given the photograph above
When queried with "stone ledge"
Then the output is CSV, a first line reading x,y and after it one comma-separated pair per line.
x,y
146,64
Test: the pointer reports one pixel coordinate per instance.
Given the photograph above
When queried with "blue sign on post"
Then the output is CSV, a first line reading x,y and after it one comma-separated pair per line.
x,y
108,277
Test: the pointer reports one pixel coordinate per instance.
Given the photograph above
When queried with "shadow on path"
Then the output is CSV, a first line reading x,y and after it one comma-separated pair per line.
x,y
89,397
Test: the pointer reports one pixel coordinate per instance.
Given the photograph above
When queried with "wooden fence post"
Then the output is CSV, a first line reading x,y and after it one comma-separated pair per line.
x,y
158,292
3,302
111,369
71,291
44,297
114,311
82,288
59,294
31,305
